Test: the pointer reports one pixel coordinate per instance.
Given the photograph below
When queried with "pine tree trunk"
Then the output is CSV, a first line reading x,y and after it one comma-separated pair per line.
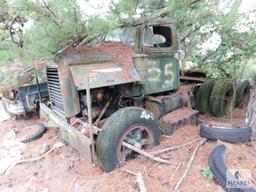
x,y
251,112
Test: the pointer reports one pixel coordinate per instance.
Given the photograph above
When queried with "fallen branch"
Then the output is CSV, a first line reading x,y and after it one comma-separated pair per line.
x,y
150,156
175,147
147,177
55,146
139,180
152,167
254,145
175,172
189,165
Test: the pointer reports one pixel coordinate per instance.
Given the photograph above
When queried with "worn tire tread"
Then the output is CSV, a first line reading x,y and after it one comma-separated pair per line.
x,y
41,129
203,96
218,166
107,139
242,86
225,134
218,94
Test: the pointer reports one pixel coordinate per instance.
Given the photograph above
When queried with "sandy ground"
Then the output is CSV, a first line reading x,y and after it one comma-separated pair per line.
x,y
64,170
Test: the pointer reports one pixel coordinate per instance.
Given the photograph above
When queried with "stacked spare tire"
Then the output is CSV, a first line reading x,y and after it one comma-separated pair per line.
x,y
219,96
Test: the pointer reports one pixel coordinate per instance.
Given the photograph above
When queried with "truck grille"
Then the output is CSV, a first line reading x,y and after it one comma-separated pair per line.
x,y
54,90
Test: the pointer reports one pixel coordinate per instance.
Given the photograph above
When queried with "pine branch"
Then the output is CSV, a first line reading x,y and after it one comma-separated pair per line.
x,y
53,13
190,33
74,43
12,30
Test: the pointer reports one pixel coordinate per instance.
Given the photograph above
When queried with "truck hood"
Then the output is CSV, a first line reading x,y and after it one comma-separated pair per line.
x,y
109,63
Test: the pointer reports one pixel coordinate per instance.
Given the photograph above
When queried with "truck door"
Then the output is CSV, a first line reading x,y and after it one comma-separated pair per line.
x,y
155,60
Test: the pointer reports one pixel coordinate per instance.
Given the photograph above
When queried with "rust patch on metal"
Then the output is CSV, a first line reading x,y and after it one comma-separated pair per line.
x,y
177,119
119,66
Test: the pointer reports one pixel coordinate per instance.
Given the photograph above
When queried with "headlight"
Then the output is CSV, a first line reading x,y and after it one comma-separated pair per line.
x,y
180,55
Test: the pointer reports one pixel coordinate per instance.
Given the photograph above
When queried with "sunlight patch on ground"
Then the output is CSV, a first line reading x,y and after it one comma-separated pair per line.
x,y
3,115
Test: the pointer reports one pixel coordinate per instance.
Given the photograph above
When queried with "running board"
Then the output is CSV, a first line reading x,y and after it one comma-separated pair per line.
x,y
178,118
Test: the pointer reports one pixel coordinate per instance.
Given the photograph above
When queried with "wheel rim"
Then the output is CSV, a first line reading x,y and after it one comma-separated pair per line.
x,y
137,135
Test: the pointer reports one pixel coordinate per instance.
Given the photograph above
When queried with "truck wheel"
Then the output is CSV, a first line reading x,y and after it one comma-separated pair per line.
x,y
134,125
203,96
221,97
243,94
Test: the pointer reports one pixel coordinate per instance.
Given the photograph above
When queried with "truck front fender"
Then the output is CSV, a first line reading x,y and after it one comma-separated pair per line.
x,y
69,91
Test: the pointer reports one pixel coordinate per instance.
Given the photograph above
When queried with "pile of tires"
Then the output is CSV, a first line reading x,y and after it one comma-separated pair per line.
x,y
219,96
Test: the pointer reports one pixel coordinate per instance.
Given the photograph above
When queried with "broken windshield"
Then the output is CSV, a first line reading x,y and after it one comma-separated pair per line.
x,y
124,35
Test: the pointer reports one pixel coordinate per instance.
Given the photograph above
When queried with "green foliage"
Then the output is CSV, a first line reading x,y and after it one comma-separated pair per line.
x,y
207,173
43,27
196,22
48,27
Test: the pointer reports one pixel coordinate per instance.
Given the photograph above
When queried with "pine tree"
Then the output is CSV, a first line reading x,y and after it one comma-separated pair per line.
x,y
41,29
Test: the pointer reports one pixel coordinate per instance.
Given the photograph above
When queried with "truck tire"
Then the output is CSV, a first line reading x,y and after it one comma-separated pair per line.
x,y
231,135
221,97
218,167
124,124
243,94
41,129
203,96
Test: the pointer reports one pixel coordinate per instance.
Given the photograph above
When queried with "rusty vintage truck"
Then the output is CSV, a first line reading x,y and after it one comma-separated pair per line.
x,y
126,89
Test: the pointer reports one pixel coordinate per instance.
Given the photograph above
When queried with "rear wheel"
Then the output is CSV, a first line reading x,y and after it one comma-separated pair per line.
x,y
132,125
221,97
